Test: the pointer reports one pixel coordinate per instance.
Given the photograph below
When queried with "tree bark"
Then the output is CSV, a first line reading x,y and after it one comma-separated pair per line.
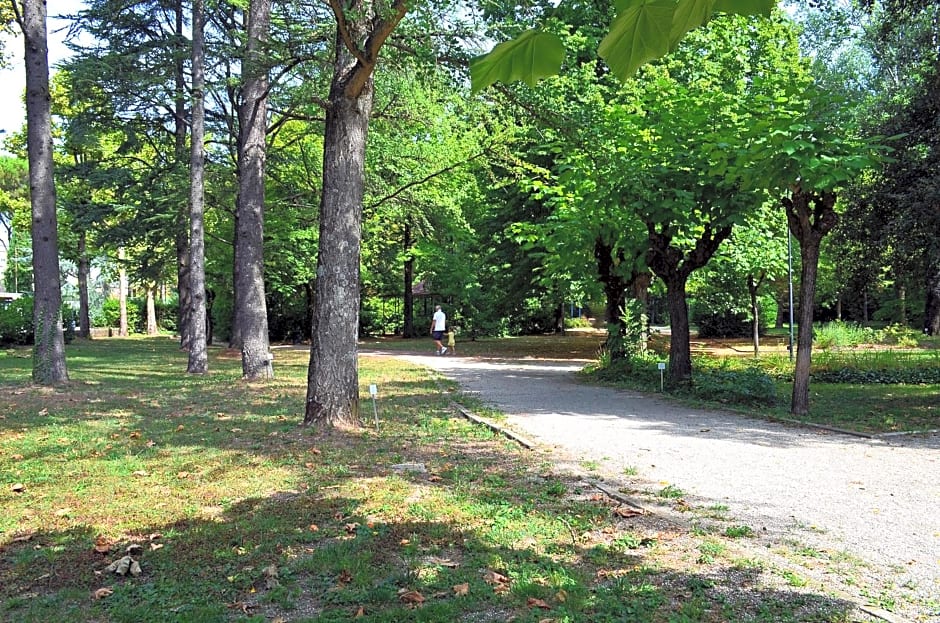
x,y
184,304
674,266
932,305
250,305
408,307
810,216
84,269
123,329
753,285
198,353
333,374
151,310
49,347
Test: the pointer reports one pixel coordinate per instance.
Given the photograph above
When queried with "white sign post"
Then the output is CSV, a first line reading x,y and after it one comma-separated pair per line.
x,y
374,391
661,366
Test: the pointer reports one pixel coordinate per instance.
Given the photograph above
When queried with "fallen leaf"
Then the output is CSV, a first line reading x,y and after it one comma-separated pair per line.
x,y
434,478
412,598
461,589
155,546
314,527
180,428
532,602
344,577
135,435
141,473
44,412
101,593
17,457
151,443
361,612
102,545
315,451
182,475
627,511
494,577
309,465
443,562
352,527
23,538
18,487
561,596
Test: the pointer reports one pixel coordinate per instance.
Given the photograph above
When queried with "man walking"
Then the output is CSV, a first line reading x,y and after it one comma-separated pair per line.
x,y
438,326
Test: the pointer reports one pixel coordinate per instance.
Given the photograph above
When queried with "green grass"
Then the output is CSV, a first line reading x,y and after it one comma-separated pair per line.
x,y
244,515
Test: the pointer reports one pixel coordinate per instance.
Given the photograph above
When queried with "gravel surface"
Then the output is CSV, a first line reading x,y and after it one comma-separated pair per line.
x,y
878,500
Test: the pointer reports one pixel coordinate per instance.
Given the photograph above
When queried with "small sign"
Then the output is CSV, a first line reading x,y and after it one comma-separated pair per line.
x,y
373,390
661,366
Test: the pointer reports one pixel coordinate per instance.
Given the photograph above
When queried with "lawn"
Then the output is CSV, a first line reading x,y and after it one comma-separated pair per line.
x,y
233,512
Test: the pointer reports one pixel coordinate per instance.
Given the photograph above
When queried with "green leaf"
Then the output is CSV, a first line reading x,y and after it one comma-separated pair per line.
x,y
689,15
532,55
639,33
745,7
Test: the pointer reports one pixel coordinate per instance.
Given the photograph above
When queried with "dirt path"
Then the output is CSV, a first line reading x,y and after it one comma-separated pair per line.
x,y
877,500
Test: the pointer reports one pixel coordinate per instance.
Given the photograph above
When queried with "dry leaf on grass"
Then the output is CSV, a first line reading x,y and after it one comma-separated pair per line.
x,y
628,511
412,598
361,612
462,589
532,602
18,487
102,545
101,593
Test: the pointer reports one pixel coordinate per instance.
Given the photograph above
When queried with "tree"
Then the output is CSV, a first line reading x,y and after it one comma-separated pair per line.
x,y
333,377
251,317
808,149
49,366
198,357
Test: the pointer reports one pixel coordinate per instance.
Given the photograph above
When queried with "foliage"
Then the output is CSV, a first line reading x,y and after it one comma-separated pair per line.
x,y
16,321
751,386
580,322
110,314
842,335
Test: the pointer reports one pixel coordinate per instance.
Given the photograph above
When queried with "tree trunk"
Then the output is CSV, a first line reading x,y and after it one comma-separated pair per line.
x,y
84,269
641,292
408,309
752,286
151,310
123,329
49,347
198,353
902,303
932,306
674,266
811,216
333,375
250,306
184,304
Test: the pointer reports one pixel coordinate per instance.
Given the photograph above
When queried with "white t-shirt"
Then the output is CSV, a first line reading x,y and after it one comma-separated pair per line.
x,y
439,320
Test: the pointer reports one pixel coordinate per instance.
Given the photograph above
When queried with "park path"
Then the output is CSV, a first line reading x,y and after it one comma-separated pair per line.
x,y
876,499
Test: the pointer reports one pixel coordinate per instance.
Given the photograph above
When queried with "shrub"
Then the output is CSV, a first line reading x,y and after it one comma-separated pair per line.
x,y
838,334
750,386
16,321
577,323
900,335
110,314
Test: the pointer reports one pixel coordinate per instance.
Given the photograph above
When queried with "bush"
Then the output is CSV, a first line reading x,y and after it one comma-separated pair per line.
x,y
16,322
838,334
110,314
899,335
750,386
578,323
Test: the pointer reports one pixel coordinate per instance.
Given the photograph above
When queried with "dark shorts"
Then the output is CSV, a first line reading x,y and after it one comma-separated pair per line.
x,y
437,335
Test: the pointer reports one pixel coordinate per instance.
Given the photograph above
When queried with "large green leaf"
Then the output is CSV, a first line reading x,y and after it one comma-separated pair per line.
x,y
532,55
745,7
689,15
639,33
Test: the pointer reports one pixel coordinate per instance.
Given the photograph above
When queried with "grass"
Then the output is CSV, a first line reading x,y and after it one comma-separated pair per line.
x,y
242,515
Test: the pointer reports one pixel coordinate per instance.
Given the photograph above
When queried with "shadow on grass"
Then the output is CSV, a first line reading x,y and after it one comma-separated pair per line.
x,y
261,559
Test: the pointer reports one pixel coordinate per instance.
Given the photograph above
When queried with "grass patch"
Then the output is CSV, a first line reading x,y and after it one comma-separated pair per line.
x,y
240,514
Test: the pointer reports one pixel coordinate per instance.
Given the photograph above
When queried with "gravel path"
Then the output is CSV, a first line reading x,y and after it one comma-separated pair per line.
x,y
876,499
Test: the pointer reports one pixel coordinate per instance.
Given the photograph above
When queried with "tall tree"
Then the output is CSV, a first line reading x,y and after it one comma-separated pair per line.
x,y
250,305
198,357
362,27
49,350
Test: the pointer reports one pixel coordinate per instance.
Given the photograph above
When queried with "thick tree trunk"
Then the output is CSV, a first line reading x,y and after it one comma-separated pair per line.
x,y
811,216
250,306
49,347
84,269
333,375
198,353
932,307
674,266
408,308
